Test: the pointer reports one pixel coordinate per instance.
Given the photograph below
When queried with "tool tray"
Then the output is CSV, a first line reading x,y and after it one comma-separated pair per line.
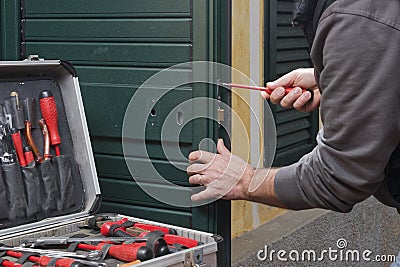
x,y
56,197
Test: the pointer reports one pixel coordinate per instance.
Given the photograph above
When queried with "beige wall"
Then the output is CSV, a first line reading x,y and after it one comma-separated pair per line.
x,y
247,57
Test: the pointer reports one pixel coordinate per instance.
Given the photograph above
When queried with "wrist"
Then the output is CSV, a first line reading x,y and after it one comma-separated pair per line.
x,y
262,187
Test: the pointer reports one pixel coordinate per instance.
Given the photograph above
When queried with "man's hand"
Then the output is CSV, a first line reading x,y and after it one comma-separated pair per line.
x,y
224,175
227,176
299,79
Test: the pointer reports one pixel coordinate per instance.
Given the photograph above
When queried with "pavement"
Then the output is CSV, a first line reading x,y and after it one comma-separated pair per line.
x,y
371,228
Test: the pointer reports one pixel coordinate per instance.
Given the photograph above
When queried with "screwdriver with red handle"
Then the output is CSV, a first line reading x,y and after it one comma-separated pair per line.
x,y
28,155
265,89
125,253
7,263
48,108
17,141
44,260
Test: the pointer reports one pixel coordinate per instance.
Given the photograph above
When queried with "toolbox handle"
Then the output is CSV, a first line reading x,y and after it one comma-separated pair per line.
x,y
34,58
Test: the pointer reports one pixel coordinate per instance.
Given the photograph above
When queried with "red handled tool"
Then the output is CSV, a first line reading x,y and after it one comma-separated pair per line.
x,y
125,253
31,142
17,141
7,263
28,155
44,260
265,89
46,139
49,112
140,225
118,229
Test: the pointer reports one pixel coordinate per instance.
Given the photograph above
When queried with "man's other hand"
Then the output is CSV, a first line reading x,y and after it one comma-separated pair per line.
x,y
224,174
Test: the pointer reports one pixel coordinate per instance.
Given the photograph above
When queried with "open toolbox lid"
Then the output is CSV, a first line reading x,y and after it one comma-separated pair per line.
x,y
30,77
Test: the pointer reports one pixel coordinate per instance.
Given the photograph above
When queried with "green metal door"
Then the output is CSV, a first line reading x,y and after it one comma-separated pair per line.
x,y
286,49
115,46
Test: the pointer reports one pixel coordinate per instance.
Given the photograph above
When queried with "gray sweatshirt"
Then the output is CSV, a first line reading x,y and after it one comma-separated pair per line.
x,y
356,57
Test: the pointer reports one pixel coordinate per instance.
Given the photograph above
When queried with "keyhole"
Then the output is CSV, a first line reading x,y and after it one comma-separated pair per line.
x,y
153,112
179,117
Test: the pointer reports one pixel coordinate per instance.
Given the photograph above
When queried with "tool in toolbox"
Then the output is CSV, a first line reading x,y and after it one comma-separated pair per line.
x,y
122,227
92,255
60,240
46,138
265,89
45,261
7,263
31,142
49,112
7,152
14,111
28,154
125,253
17,141
30,105
97,222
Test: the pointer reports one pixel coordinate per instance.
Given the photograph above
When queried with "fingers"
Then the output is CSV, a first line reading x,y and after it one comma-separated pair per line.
x,y
284,80
201,156
198,179
304,103
204,195
291,97
277,95
221,148
197,168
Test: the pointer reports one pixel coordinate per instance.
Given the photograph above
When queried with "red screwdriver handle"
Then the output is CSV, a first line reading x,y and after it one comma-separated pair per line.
x,y
177,239
49,112
265,89
28,155
16,138
7,263
44,260
61,262
125,253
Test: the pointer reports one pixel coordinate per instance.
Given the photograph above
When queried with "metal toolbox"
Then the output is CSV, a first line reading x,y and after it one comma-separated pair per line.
x,y
63,205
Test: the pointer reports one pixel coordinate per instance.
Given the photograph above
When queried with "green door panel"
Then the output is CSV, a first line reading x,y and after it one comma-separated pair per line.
x,y
154,30
115,167
130,193
99,75
10,30
113,146
107,8
131,54
108,120
183,219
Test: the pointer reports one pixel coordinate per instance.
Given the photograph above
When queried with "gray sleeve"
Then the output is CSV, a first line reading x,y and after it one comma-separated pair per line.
x,y
357,59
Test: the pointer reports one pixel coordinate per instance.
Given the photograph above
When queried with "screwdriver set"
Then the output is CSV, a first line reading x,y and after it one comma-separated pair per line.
x,y
49,190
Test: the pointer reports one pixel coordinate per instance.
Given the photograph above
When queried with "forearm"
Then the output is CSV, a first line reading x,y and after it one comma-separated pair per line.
x,y
265,192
